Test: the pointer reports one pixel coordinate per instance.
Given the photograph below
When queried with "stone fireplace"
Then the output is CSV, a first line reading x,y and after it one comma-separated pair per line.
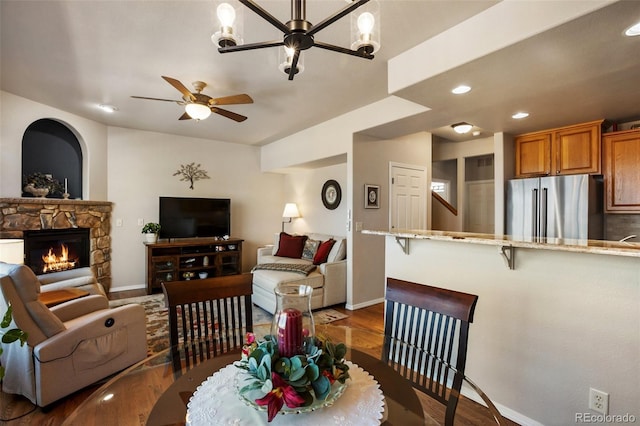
x,y
18,215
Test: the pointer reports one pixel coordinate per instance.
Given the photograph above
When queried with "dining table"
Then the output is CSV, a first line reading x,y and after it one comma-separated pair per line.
x,y
188,386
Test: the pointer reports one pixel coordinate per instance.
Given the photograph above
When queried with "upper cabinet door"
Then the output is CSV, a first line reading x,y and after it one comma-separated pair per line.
x,y
621,171
567,150
533,154
576,150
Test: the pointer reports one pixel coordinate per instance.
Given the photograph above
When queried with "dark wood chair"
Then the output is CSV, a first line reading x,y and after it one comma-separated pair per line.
x,y
208,317
426,332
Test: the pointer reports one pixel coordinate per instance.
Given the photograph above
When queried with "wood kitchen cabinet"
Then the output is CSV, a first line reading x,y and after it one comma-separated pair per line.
x,y
564,151
622,171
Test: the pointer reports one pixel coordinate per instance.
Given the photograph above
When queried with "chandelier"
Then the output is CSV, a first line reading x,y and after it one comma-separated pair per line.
x,y
299,34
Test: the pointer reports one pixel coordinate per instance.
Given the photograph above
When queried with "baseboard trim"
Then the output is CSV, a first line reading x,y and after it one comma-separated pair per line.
x,y
363,304
505,411
127,288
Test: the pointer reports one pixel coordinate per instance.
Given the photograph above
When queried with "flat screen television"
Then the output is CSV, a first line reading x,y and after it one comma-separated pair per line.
x,y
182,217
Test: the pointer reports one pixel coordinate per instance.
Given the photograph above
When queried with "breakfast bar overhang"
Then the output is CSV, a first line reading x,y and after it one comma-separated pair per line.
x,y
563,319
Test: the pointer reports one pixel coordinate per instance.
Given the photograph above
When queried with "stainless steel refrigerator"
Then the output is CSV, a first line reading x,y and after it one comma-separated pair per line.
x,y
555,207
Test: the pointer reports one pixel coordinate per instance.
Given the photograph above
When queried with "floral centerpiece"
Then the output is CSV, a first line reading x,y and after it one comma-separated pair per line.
x,y
298,380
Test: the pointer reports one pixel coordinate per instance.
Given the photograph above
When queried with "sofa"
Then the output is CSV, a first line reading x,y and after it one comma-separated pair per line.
x,y
316,260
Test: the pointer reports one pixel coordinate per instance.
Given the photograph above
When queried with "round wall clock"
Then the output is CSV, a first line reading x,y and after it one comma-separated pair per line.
x,y
331,194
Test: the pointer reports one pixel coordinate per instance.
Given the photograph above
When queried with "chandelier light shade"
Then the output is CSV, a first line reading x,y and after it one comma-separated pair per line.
x,y
290,211
229,16
365,28
286,59
300,34
197,111
12,251
462,128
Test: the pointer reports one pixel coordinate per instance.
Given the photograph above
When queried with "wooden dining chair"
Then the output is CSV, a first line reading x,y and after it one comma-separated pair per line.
x,y
210,316
426,332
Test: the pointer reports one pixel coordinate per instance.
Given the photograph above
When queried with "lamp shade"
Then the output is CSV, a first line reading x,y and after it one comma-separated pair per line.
x,y
290,210
12,251
197,111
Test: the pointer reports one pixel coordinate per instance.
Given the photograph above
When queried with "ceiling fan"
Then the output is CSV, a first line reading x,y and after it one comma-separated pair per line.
x,y
199,106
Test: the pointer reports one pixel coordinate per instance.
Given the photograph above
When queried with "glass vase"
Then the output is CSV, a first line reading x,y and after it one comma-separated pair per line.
x,y
292,325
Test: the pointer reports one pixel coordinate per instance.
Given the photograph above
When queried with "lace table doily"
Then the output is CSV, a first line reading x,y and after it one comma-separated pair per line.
x,y
216,402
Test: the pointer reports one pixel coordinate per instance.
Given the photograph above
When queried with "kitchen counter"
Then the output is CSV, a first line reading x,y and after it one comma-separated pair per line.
x,y
615,248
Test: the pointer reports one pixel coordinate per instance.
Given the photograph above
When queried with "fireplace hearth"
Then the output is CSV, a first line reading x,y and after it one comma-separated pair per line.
x,y
54,250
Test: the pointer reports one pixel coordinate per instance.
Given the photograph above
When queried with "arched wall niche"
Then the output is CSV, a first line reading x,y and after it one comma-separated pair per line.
x,y
52,147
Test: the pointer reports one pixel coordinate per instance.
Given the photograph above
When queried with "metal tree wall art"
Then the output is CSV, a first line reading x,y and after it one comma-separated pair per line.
x,y
191,172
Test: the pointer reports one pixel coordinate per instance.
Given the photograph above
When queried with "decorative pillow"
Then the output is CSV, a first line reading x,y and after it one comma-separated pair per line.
x,y
338,251
291,245
310,249
323,251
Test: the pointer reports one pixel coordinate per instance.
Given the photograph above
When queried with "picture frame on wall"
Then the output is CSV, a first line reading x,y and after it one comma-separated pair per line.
x,y
371,196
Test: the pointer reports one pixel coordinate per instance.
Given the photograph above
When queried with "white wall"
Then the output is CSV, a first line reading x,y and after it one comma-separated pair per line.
x,y
304,188
141,167
371,166
18,113
544,333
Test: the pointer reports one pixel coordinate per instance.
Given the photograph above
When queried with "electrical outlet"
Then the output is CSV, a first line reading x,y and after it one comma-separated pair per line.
x,y
140,221
599,401
118,222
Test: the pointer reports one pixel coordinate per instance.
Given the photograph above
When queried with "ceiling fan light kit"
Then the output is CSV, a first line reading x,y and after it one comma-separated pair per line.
x,y
299,34
199,106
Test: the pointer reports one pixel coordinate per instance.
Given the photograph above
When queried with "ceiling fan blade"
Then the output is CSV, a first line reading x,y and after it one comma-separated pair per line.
x,y
157,99
185,116
228,114
181,88
339,49
232,100
333,18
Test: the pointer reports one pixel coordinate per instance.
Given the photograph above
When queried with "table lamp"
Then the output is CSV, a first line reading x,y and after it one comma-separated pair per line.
x,y
290,211
12,251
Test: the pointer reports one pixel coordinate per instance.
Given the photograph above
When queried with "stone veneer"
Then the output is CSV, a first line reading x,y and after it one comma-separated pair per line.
x,y
22,214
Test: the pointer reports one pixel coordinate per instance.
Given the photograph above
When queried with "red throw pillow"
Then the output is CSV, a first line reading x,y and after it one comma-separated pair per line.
x,y
323,251
291,245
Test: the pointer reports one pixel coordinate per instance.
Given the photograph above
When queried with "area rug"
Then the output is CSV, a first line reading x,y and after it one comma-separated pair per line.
x,y
158,321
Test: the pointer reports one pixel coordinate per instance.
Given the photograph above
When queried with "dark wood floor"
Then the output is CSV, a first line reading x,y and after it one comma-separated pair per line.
x,y
24,413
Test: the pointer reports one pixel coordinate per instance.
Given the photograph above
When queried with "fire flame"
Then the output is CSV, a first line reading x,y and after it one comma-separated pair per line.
x,y
53,263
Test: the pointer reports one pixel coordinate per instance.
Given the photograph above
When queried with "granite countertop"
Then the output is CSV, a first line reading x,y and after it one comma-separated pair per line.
x,y
615,248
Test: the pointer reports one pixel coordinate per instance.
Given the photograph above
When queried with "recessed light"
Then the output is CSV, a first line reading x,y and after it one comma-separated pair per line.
x,y
519,115
462,89
633,31
107,108
476,133
462,127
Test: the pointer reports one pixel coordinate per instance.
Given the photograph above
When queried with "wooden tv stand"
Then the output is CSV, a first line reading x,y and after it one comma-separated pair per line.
x,y
185,259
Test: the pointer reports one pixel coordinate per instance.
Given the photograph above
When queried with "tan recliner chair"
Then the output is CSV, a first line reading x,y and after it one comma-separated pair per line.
x,y
80,278
71,345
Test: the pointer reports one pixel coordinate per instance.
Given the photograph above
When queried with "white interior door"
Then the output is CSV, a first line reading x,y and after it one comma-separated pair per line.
x,y
408,197
479,212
